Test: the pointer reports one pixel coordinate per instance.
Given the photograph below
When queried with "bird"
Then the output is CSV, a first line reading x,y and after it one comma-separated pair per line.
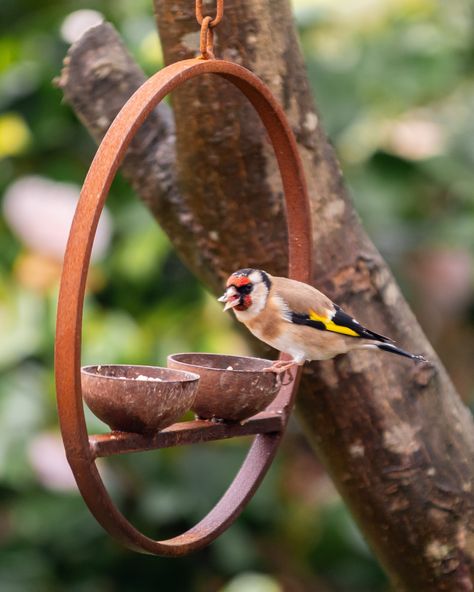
x,y
299,320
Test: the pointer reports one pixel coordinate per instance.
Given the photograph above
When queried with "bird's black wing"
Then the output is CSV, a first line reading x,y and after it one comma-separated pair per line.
x,y
337,322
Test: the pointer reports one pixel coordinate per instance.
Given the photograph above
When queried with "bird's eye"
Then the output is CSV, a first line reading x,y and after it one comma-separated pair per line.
x,y
245,289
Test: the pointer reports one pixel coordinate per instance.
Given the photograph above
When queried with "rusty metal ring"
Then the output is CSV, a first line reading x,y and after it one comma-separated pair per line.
x,y
71,299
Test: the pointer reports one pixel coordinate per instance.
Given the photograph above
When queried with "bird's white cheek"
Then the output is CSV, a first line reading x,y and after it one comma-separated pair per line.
x,y
243,315
257,305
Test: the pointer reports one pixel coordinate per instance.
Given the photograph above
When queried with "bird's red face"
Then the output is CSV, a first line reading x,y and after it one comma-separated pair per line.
x,y
238,292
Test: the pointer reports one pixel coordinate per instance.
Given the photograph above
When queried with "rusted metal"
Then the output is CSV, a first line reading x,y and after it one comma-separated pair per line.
x,y
231,387
185,433
206,36
206,39
214,21
141,399
80,452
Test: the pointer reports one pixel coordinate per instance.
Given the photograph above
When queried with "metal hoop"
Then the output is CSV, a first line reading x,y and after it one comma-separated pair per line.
x,y
79,449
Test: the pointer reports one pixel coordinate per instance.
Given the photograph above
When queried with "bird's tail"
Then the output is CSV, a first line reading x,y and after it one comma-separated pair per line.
x,y
401,352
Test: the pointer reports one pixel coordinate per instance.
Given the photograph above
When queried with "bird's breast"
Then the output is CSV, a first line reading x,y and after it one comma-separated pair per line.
x,y
264,328
270,323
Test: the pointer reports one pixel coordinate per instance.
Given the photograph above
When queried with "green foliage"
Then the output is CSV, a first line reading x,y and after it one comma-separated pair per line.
x,y
407,65
408,62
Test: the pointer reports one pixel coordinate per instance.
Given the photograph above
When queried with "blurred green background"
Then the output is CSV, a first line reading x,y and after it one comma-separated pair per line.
x,y
394,81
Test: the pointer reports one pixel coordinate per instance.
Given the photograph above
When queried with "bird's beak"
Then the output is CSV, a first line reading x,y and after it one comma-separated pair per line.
x,y
231,298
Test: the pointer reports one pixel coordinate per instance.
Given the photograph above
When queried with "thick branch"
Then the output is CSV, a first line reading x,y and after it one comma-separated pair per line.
x,y
98,77
396,438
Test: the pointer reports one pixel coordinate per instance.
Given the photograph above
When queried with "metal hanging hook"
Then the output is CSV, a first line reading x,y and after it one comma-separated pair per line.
x,y
206,40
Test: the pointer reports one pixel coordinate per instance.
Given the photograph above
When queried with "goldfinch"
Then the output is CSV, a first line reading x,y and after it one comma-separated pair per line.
x,y
297,319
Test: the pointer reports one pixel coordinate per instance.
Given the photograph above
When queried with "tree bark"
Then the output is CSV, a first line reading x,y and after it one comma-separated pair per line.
x,y
395,437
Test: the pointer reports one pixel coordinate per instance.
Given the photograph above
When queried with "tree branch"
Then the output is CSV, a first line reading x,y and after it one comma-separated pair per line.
x,y
98,77
395,438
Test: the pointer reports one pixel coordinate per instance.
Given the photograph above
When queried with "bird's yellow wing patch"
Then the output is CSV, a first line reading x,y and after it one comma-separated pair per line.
x,y
331,325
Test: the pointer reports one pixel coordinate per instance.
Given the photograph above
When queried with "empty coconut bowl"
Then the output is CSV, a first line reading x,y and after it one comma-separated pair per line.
x,y
232,388
141,399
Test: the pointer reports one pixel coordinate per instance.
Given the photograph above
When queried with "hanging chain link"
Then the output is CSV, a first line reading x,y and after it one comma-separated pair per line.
x,y
206,40
219,13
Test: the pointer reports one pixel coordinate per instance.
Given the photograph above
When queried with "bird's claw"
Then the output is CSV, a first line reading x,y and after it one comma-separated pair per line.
x,y
282,368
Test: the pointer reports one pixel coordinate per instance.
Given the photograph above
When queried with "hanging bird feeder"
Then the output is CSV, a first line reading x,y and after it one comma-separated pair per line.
x,y
141,403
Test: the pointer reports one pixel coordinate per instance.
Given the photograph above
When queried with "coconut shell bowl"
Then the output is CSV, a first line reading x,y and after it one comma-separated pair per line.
x,y
141,399
231,388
